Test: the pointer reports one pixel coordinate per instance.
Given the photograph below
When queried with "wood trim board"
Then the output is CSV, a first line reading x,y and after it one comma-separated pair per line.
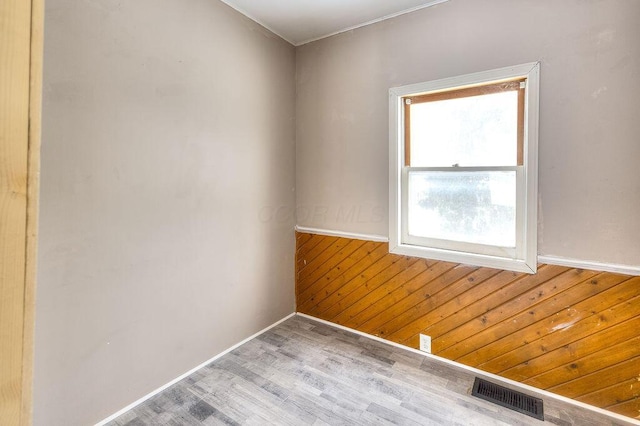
x,y
21,38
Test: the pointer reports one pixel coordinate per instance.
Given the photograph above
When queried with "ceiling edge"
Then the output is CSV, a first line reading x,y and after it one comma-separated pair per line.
x,y
262,24
364,24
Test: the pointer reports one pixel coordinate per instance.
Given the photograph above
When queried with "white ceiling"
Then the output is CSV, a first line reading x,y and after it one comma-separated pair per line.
x,y
302,21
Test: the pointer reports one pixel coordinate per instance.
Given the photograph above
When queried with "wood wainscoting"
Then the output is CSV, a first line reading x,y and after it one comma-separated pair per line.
x,y
572,332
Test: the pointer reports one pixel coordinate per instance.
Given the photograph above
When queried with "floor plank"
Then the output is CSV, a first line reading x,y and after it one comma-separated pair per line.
x,y
304,372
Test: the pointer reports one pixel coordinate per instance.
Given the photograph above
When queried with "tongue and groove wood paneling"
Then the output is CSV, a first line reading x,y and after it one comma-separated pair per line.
x,y
573,332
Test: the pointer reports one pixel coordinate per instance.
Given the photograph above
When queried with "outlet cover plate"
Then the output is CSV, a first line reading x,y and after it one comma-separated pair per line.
x,y
425,343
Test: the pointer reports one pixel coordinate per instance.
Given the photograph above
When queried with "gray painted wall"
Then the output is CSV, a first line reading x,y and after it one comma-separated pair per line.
x,y
168,141
589,128
167,200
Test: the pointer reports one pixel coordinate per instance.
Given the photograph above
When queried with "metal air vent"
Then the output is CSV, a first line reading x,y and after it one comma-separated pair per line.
x,y
508,398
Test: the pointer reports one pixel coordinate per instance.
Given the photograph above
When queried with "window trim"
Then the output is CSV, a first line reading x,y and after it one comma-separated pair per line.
x,y
526,254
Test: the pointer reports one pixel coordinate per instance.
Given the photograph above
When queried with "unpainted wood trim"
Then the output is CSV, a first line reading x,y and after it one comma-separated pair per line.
x,y
521,114
467,92
14,134
33,190
21,40
406,105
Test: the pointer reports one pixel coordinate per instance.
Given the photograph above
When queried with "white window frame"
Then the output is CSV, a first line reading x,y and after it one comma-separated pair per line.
x,y
524,258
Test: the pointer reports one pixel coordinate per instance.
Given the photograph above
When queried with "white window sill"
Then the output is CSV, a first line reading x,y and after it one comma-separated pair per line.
x,y
517,265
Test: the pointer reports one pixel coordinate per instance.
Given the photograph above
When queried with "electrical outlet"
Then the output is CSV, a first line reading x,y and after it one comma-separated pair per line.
x,y
425,343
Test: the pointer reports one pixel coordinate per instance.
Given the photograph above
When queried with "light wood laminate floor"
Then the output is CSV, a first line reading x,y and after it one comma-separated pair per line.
x,y
303,372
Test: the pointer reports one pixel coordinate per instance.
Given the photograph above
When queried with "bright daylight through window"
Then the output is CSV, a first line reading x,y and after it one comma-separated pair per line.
x,y
463,168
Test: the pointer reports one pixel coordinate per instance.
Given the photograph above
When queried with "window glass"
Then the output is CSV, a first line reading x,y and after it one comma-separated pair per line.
x,y
470,131
474,207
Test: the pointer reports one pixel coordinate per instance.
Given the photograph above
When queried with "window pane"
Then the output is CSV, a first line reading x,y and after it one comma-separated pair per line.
x,y
474,207
472,131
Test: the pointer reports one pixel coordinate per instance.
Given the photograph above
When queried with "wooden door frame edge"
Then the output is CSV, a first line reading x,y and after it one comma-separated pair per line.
x,y
33,189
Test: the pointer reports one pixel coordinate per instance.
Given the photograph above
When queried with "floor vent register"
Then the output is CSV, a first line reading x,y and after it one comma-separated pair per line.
x,y
508,398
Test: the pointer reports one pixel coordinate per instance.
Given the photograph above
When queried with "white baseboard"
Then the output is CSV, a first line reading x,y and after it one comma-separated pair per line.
x,y
493,377
551,260
188,373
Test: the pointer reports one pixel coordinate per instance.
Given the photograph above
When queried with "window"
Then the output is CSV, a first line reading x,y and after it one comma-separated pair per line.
x,y
463,169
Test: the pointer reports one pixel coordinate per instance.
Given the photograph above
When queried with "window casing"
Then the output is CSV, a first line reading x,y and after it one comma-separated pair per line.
x,y
463,169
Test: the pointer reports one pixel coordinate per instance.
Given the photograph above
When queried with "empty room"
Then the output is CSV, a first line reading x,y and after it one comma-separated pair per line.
x,y
319,212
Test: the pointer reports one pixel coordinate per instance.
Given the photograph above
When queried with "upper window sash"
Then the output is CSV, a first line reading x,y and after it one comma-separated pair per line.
x,y
516,85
